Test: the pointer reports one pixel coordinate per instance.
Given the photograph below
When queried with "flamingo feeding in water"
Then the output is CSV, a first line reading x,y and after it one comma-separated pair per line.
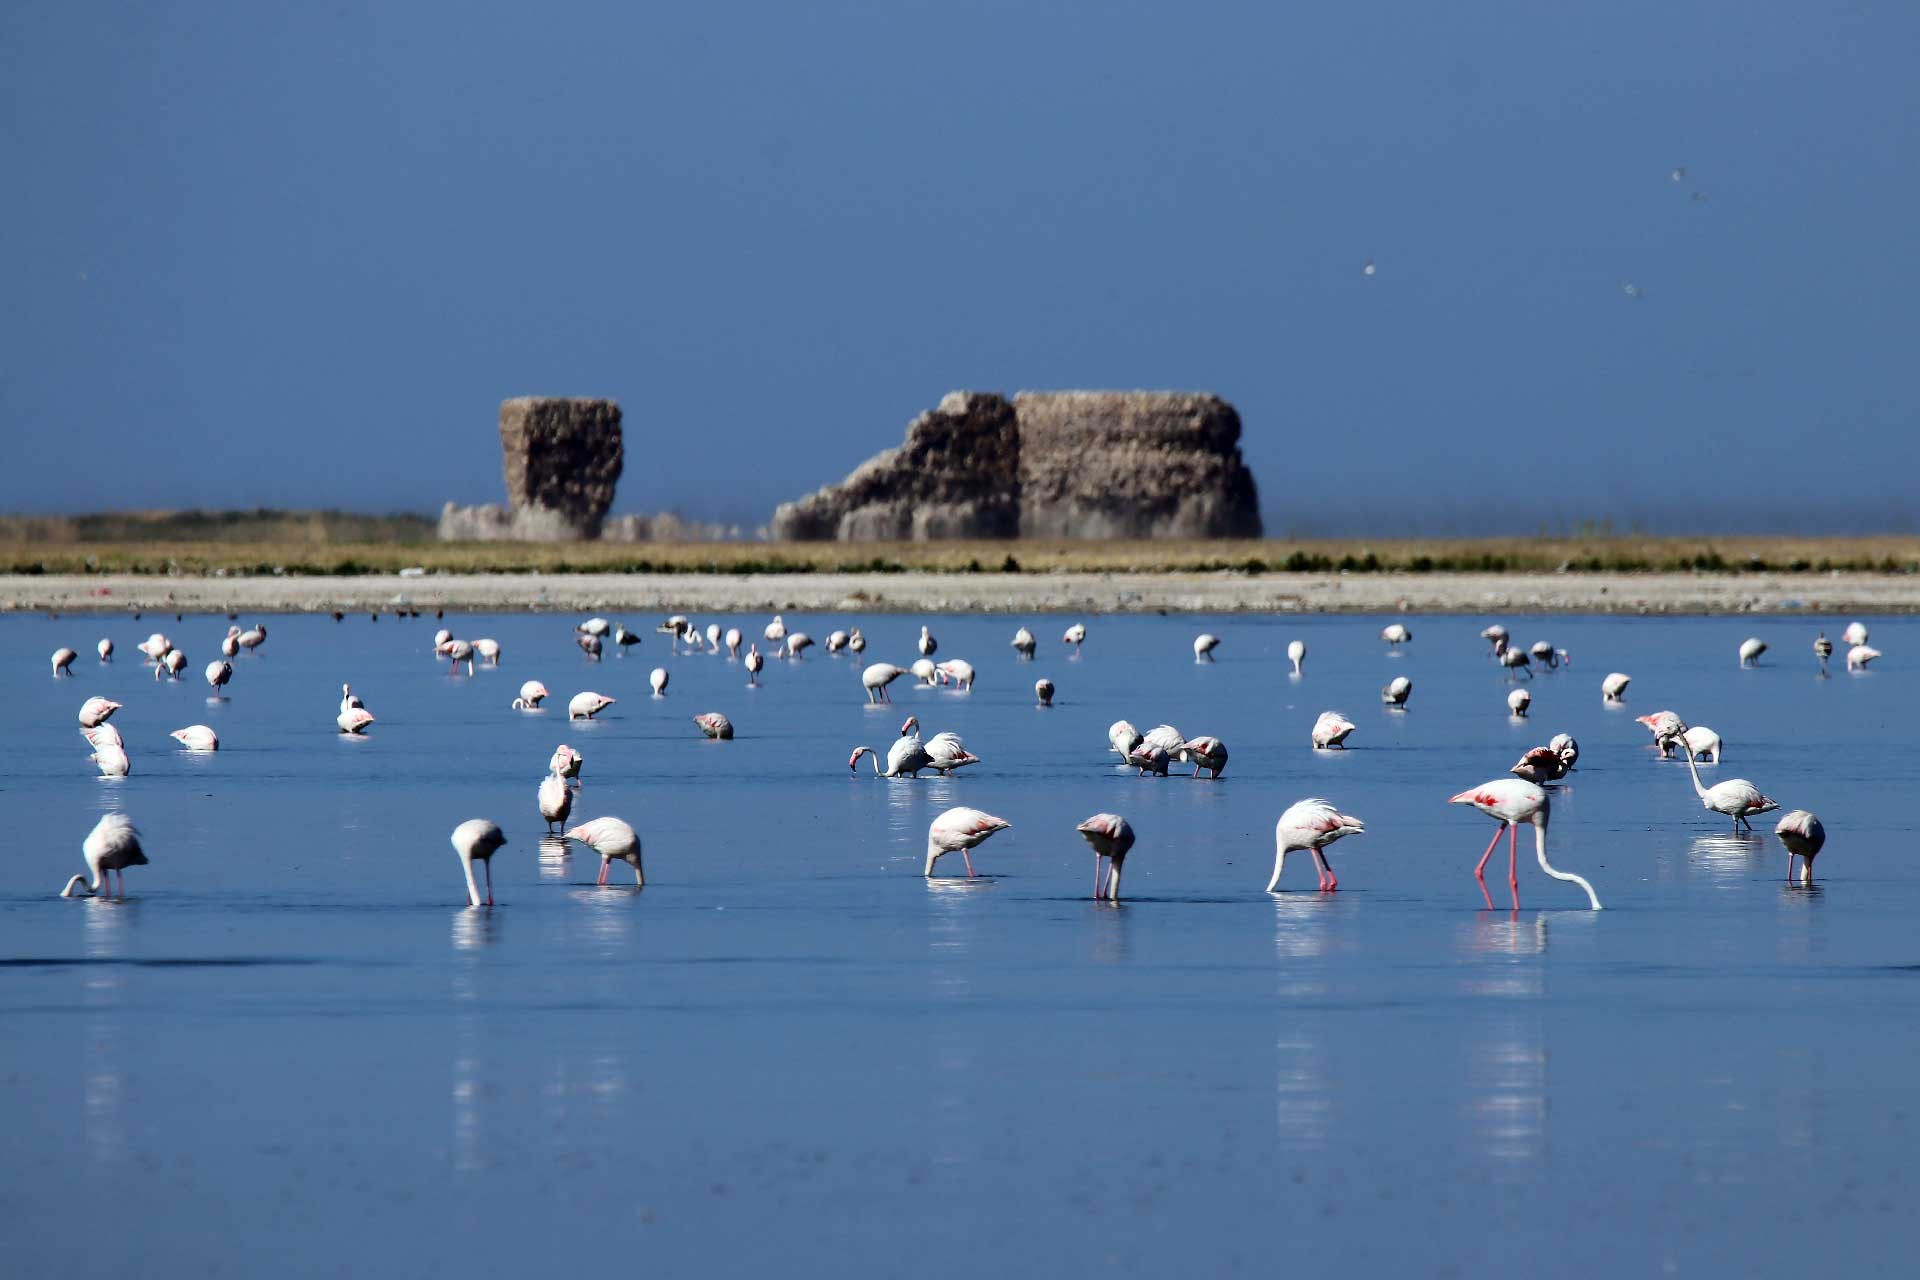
x,y
945,751
230,643
1736,797
218,673
614,841
1331,730
1296,654
532,694
1111,838
957,671
111,759
113,845
63,661
1203,646
354,721
555,800
1540,765
1311,825
1075,635
1148,758
836,641
658,679
1803,835
1397,691
1204,753
925,672
1513,802
906,757
489,650
1123,737
105,649
1750,650
1565,746
197,737
714,725
1614,687
877,677
1043,691
960,830
475,840
96,711
798,642
1024,644
733,639
1856,633
754,663
1859,656
587,705
253,639
1496,637
1518,701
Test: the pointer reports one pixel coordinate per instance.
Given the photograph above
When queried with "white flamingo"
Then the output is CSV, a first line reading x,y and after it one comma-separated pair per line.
x,y
714,725
614,841
155,646
960,830
197,737
956,671
1024,644
566,762
877,677
1750,650
1736,797
1856,633
836,641
1496,637
349,699
945,751
1566,747
1311,825
111,759
927,644
1043,691
218,673
354,721
96,711
1513,802
1859,656
1705,743
254,637
555,800
476,840
776,632
754,663
1123,737
1518,701
1516,661
658,679
457,651
1297,654
1803,835
230,643
1075,635
906,757
112,846
1165,737
713,637
1203,752
588,704
1396,635
532,694
1331,730
1398,690
733,639
589,645
103,735
105,649
1111,837
1614,687
798,642
1149,759
63,660
595,627
1203,646
489,650
1539,766
173,663
856,643
1666,728
925,672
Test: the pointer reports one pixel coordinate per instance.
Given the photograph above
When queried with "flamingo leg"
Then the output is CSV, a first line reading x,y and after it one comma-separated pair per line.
x,y
1333,881
1790,857
489,882
1480,871
605,866
969,861
1513,861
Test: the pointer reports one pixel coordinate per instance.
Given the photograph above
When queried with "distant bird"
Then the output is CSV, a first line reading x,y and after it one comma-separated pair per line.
x,y
1043,691
1515,660
1666,728
349,699
1149,758
906,757
1204,753
1856,633
156,645
960,830
103,735
197,737
230,643
255,637
1859,656
218,673
488,650
585,706
1111,838
532,694
1518,701
1803,835
96,711
1024,644
594,627
1331,730
105,649
354,721
1396,635
173,664
555,800
733,639
1513,802
1736,797
1750,651
111,759
798,642
1632,290
673,626
1614,687
440,639
63,661
614,841
1203,646
877,677
112,846
1496,636
1539,766
1564,746
836,641
713,637
856,643
925,672
1397,691
927,644
1123,737
1311,825
946,752
1075,635
1296,654
776,631
658,679
1367,268
956,671
1544,653
754,663
714,725
1166,737
1679,173
476,840
1822,649
1704,741
457,651
565,762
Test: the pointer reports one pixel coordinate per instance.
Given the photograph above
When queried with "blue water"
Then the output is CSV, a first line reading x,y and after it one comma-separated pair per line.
x,y
294,1051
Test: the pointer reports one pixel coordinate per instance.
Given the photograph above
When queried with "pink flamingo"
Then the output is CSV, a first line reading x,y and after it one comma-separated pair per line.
x,y
1111,837
1311,825
960,829
1514,801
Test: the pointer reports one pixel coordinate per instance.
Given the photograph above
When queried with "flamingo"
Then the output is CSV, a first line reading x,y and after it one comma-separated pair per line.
x,y
1203,646
1666,728
589,645
1614,687
96,711
103,735
714,725
1111,837
658,679
1540,765
754,663
1203,753
254,638
1516,661
1750,650
1311,825
156,645
1148,758
1331,730
440,639
1803,835
1123,737
1296,654
623,639
957,670
798,642
1822,649
566,762
836,641
1166,737
113,845
856,643
1395,635
587,705
614,841
733,642
173,664
1496,636
218,673
927,645
1518,701
877,677
63,661
776,632
1564,746
105,649
354,721
925,672
230,643
594,627
111,758
456,652
1513,802
1397,691
349,699
1856,633
197,737
1736,797
475,840
1705,742
945,751
532,694
906,757
1544,652
713,637
555,800
690,636
489,650
1043,691
960,829
1024,644
1859,656
1075,635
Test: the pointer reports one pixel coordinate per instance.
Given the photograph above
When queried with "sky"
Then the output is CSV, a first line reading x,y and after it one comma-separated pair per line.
x,y
295,255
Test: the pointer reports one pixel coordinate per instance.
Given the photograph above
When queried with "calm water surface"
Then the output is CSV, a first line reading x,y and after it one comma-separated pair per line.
x,y
294,1051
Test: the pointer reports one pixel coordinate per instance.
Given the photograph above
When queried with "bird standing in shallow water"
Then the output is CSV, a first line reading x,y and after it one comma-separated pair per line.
x,y
476,840
1311,825
614,841
960,830
113,845
1803,835
1513,801
1111,838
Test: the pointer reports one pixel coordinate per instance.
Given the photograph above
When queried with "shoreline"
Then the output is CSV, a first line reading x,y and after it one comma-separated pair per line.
x,y
928,592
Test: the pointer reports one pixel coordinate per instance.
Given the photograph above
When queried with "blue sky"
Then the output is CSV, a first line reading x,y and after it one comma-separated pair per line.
x,y
296,255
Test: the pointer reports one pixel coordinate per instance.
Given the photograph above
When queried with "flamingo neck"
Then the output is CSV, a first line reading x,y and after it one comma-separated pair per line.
x,y
473,888
1540,849
1691,768
933,856
79,881
1113,876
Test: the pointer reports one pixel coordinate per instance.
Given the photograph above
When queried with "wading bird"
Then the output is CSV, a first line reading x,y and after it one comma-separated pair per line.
x,y
1203,646
927,644
1075,635
1859,656
1024,644
532,694
475,840
1803,835
587,705
906,757
1203,753
555,800
1311,825
218,673
1296,654
1513,802
1750,650
714,725
197,737
1518,701
1614,687
1043,691
1111,838
960,830
112,846
63,661
1331,730
96,711
105,649
658,679
877,677
1736,797
614,841
1397,691
354,720
754,663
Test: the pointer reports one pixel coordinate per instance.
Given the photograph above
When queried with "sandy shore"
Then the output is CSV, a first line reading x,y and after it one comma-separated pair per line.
x,y
981,593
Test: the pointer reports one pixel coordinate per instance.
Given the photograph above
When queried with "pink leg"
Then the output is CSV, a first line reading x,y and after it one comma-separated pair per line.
x,y
489,882
1333,881
1100,877
1513,861
969,861
603,872
1480,871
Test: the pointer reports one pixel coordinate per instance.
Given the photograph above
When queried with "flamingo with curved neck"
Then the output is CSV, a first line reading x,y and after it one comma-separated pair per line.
x,y
1514,801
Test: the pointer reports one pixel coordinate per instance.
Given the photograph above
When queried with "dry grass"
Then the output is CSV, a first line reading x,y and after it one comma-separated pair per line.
x,y
316,548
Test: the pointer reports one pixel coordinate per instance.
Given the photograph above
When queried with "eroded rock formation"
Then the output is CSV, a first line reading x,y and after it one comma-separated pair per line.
x,y
564,456
1053,464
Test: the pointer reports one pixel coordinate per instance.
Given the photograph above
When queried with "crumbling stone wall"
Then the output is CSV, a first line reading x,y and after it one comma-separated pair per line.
x,y
564,456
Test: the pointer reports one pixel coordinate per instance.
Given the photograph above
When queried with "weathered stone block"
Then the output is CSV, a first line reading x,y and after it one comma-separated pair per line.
x,y
563,459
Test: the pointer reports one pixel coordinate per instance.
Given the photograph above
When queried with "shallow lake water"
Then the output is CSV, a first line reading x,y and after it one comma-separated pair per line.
x,y
293,1050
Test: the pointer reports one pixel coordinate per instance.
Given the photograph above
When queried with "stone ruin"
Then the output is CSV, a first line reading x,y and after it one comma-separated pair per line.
x,y
1048,464
563,458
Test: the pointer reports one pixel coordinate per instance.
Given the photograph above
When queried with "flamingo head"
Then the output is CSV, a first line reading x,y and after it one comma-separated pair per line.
x,y
853,761
913,722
